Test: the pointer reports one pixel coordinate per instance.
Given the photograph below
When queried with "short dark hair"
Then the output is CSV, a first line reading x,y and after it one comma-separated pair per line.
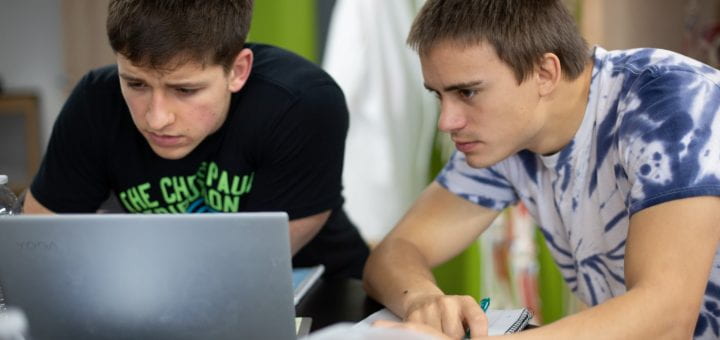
x,y
154,33
521,31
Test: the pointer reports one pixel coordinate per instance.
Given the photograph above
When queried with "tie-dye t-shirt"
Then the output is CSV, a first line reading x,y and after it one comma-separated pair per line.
x,y
650,134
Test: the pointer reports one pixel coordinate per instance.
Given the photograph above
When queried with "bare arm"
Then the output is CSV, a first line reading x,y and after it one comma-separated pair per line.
x,y
302,230
668,256
438,226
32,206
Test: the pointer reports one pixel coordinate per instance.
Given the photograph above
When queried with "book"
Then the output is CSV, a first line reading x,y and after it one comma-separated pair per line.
x,y
500,321
303,278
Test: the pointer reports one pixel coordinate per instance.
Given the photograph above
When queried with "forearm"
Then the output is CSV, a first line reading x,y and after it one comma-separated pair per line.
x,y
638,314
302,230
299,239
396,273
438,227
31,206
665,290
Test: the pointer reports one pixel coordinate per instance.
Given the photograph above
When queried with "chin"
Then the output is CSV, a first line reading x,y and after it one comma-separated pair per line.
x,y
170,154
479,162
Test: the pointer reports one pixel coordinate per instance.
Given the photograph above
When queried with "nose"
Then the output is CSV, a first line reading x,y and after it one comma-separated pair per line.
x,y
159,114
451,117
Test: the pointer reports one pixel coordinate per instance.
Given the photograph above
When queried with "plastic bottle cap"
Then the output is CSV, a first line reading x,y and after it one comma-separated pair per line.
x,y
3,179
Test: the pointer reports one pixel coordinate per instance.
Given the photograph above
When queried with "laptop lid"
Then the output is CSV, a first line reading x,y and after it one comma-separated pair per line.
x,y
132,276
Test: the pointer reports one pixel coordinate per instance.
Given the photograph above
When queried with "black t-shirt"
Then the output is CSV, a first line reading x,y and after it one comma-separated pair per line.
x,y
280,149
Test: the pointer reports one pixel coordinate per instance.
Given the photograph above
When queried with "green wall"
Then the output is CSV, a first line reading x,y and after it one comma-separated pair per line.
x,y
290,24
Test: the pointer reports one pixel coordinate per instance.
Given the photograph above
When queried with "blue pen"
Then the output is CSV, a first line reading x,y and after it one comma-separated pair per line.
x,y
484,304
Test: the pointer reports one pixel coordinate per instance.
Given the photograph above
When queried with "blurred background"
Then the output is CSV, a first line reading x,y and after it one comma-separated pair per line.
x,y
392,150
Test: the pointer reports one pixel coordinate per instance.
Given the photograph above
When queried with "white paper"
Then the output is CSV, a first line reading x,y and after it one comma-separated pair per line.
x,y
499,320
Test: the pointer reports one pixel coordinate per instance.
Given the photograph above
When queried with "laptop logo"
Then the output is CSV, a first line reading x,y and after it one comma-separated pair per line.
x,y
36,245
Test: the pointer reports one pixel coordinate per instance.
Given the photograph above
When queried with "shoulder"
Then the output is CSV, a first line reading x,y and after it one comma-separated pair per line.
x,y
288,89
650,64
98,88
654,92
493,187
283,71
97,100
102,79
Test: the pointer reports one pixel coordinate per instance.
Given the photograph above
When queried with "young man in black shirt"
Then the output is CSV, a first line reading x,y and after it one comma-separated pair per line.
x,y
192,119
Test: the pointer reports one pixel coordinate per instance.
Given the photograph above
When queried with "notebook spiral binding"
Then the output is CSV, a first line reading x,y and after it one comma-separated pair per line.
x,y
521,322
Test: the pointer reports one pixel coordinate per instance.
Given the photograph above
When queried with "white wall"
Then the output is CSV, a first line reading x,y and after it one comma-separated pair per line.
x,y
31,54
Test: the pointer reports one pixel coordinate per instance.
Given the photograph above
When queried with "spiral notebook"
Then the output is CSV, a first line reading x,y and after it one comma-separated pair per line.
x,y
507,321
500,321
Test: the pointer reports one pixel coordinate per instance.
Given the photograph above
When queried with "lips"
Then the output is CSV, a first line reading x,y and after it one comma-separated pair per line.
x,y
465,146
164,140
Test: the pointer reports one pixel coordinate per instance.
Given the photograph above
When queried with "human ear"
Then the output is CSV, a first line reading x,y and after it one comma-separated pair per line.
x,y
240,70
548,73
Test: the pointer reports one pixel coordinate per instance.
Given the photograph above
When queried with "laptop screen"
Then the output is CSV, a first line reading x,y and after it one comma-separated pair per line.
x,y
208,276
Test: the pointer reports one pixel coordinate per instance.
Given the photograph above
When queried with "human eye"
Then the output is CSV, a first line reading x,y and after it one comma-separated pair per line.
x,y
467,93
186,91
136,85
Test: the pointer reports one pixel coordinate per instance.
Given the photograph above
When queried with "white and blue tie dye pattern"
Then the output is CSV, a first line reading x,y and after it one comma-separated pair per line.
x,y
651,133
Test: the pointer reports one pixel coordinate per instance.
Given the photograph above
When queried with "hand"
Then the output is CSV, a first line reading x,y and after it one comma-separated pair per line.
x,y
448,314
411,326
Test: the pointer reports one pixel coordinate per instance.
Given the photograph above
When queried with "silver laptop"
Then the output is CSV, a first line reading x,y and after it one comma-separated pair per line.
x,y
193,276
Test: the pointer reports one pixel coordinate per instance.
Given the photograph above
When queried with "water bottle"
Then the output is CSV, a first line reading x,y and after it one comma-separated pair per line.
x,y
8,200
13,324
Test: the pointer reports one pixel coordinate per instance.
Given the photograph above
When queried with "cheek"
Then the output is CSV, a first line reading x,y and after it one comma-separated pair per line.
x,y
209,116
210,110
519,108
505,120
204,113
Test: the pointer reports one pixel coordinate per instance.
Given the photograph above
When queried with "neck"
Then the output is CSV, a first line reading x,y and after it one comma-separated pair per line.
x,y
566,109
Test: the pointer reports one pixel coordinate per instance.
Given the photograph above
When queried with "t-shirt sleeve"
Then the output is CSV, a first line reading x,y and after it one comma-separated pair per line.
x,y
300,171
487,187
71,178
671,138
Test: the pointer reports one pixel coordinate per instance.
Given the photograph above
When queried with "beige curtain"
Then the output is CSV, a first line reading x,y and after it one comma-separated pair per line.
x,y
84,38
622,24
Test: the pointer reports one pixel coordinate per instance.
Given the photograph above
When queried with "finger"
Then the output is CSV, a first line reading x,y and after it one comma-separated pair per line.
x,y
475,318
425,329
452,319
411,327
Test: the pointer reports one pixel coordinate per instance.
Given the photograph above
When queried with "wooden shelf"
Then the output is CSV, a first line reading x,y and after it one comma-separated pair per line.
x,y
19,138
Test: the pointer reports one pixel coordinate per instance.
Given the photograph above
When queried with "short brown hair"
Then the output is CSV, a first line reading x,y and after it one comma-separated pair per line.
x,y
521,31
154,33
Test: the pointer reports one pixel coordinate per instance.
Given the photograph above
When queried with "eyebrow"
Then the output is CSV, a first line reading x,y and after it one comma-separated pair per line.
x,y
455,87
129,77
175,85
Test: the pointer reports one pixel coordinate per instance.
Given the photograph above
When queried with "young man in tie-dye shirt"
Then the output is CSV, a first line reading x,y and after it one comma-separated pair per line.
x,y
615,153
